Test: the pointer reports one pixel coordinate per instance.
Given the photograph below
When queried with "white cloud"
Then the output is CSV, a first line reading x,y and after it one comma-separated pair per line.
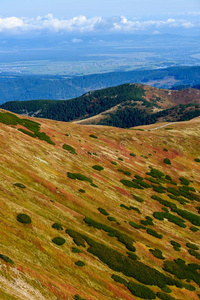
x,y
76,41
83,24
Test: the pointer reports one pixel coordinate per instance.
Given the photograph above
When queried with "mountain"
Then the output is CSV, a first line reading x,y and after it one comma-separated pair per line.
x,y
125,105
96,212
17,86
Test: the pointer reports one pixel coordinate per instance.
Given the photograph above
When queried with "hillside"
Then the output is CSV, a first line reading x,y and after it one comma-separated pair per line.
x,y
31,87
125,106
109,213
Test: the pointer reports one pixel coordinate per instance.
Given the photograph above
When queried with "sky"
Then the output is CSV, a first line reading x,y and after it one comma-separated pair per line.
x,y
39,17
91,8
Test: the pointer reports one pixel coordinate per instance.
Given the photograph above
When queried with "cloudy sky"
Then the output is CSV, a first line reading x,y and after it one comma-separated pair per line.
x,y
98,16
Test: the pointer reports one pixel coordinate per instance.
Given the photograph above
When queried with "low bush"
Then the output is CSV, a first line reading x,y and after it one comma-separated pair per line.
x,y
141,291
6,259
194,253
184,181
103,211
20,185
80,263
24,218
194,229
97,167
58,241
111,219
119,279
121,237
119,158
155,173
79,177
76,250
148,221
93,136
113,163
69,148
137,226
77,297
192,246
130,184
167,161
132,154
124,172
157,253
164,296
154,233
197,159
175,245
81,191
57,226
138,199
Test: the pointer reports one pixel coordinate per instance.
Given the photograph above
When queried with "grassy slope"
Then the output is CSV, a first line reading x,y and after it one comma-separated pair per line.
x,y
43,270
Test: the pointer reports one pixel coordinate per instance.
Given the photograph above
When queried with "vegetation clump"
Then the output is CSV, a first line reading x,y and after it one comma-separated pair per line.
x,y
69,148
192,246
93,136
125,172
148,221
197,159
98,168
58,241
154,233
80,263
121,237
157,253
103,211
77,297
184,181
137,226
138,199
82,191
6,259
175,245
24,218
167,161
78,176
57,226
20,185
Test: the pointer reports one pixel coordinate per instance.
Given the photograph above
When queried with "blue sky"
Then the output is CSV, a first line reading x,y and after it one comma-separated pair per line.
x,y
91,8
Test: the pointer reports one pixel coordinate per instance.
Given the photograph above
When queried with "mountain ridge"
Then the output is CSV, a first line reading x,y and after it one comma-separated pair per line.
x,y
130,104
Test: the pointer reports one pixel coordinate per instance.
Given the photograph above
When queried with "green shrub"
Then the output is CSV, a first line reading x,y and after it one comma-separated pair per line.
x,y
6,259
194,253
121,237
57,226
167,161
76,250
124,172
155,173
58,241
137,226
154,233
119,279
157,253
165,149
184,181
93,136
80,263
20,185
159,189
192,246
69,148
130,184
113,163
111,219
194,229
94,185
98,168
103,211
121,263
164,296
175,245
77,238
79,177
141,291
168,177
132,256
77,297
24,218
81,191
138,199
197,159
148,221
132,154
119,158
